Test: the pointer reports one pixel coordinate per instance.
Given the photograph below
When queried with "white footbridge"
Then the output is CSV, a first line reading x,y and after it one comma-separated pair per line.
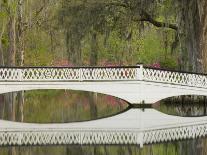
x,y
133,84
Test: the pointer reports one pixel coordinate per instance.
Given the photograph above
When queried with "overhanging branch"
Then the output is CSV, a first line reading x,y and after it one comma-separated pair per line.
x,y
147,18
118,4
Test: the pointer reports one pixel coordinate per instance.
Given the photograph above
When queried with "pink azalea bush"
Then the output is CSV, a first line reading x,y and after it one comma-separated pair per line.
x,y
154,65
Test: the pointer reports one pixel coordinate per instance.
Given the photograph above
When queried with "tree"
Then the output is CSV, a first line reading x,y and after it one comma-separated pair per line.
x,y
3,18
191,19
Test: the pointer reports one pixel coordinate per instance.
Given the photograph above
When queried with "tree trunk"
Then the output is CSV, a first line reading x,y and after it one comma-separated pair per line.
x,y
20,35
73,49
20,57
202,5
189,27
12,41
1,54
193,21
1,46
94,50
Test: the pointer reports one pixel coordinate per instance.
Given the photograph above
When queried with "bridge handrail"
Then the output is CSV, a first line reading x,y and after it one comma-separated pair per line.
x,y
68,73
109,73
175,77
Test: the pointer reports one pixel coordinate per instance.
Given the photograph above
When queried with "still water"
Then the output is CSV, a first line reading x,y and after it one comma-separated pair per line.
x,y
60,106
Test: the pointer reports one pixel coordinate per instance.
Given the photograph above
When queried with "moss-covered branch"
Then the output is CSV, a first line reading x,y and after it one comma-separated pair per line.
x,y
146,17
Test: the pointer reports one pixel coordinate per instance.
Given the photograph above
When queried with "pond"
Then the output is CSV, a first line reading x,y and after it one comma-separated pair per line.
x,y
61,106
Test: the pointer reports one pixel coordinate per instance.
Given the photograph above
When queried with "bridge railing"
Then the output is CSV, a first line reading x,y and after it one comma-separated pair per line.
x,y
175,77
68,73
102,74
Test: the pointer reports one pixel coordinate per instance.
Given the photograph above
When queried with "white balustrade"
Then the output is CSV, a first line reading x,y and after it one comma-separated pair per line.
x,y
67,74
102,74
172,77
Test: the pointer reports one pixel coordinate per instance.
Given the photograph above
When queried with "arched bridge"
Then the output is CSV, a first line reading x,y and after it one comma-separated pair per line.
x,y
134,84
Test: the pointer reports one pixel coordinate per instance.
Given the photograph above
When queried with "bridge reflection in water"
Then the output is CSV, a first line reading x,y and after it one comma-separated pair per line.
x,y
134,126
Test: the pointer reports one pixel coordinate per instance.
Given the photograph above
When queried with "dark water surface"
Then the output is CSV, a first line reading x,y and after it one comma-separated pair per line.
x,y
48,106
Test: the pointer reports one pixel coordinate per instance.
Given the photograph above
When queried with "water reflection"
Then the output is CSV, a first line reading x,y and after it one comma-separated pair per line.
x,y
72,108
60,106
151,119
186,106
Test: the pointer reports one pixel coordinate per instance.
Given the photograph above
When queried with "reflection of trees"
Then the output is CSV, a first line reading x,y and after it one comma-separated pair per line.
x,y
92,102
184,105
11,107
20,105
2,106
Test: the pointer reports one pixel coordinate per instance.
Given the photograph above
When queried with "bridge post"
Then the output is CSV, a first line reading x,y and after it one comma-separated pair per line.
x,y
139,72
80,74
19,74
20,137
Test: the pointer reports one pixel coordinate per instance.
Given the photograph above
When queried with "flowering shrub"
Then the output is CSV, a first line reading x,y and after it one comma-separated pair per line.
x,y
62,63
156,65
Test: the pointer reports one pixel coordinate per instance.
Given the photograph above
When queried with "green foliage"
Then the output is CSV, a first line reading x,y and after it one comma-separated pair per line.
x,y
147,48
169,62
38,49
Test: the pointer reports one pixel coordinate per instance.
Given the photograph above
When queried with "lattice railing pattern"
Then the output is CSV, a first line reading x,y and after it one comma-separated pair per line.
x,y
102,74
54,137
109,74
9,74
94,137
49,74
67,74
171,77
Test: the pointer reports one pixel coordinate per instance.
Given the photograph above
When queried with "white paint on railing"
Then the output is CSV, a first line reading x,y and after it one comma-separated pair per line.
x,y
133,84
139,72
103,74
